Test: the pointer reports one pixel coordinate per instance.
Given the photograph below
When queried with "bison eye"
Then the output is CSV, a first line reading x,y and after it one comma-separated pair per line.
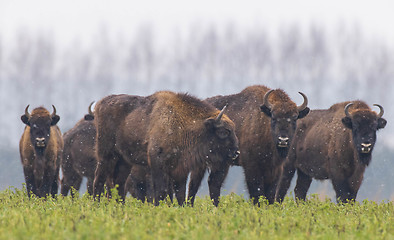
x,y
222,133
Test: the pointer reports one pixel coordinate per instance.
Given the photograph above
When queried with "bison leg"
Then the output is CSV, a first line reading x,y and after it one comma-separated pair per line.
x,y
160,173
285,181
29,179
343,190
138,183
67,183
215,182
105,168
46,185
302,186
180,189
122,171
49,183
160,182
89,185
70,179
354,183
170,192
196,177
56,178
55,184
136,188
254,182
271,187
98,183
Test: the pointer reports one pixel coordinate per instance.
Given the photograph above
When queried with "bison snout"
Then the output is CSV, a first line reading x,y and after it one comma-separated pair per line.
x,y
366,147
283,141
40,142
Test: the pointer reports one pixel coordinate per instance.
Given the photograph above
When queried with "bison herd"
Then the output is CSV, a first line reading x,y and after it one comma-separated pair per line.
x,y
150,146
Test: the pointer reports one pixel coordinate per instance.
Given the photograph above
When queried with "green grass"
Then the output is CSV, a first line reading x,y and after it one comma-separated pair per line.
x,y
235,218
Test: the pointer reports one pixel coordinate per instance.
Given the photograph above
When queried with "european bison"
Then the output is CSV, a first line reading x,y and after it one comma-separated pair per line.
x,y
333,144
169,133
265,123
79,157
40,149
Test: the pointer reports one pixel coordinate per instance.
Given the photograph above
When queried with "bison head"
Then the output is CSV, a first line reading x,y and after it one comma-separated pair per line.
x,y
284,115
222,138
364,123
40,122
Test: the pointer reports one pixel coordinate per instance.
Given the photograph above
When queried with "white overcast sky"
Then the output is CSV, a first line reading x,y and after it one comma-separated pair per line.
x,y
80,19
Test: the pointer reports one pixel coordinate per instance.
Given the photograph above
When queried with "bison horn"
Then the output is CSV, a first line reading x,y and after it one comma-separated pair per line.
x,y
221,114
265,99
347,109
90,108
27,112
381,110
54,111
304,104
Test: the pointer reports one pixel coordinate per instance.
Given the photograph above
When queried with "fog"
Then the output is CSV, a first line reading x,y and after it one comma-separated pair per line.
x,y
329,65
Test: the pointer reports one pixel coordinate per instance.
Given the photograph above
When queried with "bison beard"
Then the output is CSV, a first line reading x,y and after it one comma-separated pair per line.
x,y
333,144
169,133
282,151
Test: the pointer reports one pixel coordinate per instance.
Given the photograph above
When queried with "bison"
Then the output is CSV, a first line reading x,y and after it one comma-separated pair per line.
x,y
265,121
336,144
79,157
166,133
40,148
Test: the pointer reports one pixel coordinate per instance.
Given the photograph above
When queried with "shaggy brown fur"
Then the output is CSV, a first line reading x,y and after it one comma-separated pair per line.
x,y
139,184
79,157
330,145
259,129
171,133
40,149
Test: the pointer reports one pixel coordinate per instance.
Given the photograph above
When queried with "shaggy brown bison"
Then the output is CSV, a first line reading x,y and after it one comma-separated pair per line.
x,y
171,133
40,149
79,157
265,123
333,144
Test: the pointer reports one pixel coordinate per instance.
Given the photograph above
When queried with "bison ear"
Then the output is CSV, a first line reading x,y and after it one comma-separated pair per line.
x,y
55,119
303,113
265,110
210,124
381,123
25,120
89,117
347,122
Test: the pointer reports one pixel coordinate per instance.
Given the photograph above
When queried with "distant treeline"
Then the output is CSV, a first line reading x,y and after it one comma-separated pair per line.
x,y
328,65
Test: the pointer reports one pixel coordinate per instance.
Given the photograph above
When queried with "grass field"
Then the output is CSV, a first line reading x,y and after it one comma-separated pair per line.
x,y
235,218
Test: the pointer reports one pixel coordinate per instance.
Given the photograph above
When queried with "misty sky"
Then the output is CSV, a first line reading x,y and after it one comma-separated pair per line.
x,y
75,21
72,19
